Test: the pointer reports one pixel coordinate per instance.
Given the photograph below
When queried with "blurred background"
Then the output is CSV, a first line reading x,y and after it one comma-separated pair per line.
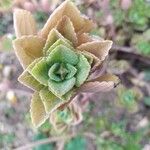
x,y
118,120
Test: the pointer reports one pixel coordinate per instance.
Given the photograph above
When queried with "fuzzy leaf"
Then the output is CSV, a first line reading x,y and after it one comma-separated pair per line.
x,y
24,23
62,54
68,96
40,71
99,48
83,69
61,88
28,80
50,101
28,48
53,36
72,71
38,114
108,77
57,43
65,27
51,73
69,116
84,38
67,8
92,59
102,84
94,87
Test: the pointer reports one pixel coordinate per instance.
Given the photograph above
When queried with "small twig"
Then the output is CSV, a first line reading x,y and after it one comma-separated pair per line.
x,y
128,53
44,141
61,145
90,135
62,139
123,48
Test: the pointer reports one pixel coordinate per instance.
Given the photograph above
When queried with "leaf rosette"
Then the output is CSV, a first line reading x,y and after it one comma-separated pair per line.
x,y
61,60
71,115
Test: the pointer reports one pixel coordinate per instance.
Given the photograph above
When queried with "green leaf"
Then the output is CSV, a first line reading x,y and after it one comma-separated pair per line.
x,y
62,54
83,69
40,136
53,36
52,72
64,116
50,101
72,71
40,71
60,71
57,43
45,127
144,48
77,143
28,80
61,88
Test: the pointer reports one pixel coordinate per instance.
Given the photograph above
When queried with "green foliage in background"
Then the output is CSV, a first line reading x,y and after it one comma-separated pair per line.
x,y
6,139
6,43
77,143
41,17
128,98
144,48
139,14
5,4
120,139
40,136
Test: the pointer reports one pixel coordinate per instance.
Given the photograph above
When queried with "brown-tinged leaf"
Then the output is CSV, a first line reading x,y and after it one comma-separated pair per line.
x,y
81,24
94,87
76,113
28,48
85,37
50,101
65,27
53,36
62,119
97,71
38,114
92,59
102,84
108,77
24,23
28,80
99,48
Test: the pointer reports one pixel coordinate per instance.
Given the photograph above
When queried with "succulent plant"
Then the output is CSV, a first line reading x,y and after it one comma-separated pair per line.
x,y
61,60
71,115
128,98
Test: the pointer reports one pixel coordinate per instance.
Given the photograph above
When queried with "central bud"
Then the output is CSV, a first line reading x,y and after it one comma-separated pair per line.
x,y
64,115
60,71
